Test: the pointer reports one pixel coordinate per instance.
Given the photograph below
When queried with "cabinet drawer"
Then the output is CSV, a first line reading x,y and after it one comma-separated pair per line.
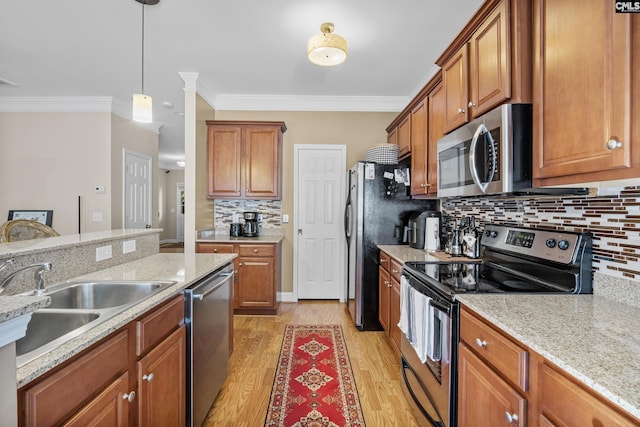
x,y
152,328
385,261
396,270
506,356
53,399
214,248
256,250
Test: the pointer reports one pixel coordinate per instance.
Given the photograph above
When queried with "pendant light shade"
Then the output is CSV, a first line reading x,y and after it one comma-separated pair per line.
x,y
327,49
142,104
142,108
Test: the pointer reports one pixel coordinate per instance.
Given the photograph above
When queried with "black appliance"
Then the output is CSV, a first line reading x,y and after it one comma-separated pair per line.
x,y
376,211
513,259
250,227
235,229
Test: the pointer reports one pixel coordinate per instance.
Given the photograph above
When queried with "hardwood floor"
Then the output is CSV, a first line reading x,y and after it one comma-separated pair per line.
x,y
244,397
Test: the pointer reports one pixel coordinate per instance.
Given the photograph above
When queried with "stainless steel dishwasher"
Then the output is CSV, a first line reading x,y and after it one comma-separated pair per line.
x,y
207,320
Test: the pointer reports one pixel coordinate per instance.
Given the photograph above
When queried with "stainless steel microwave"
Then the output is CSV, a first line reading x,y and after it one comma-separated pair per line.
x,y
490,155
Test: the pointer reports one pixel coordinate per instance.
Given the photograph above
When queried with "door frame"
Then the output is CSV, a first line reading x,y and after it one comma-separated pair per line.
x,y
342,148
125,153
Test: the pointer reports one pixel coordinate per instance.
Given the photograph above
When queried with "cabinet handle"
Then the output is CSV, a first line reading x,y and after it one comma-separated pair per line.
x,y
511,417
613,144
394,271
471,104
129,396
148,378
460,110
481,343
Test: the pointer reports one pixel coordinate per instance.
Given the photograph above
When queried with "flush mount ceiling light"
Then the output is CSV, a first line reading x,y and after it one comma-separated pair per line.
x,y
142,104
327,49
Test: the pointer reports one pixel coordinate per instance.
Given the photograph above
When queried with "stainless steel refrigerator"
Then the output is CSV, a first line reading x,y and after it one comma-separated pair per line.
x,y
377,208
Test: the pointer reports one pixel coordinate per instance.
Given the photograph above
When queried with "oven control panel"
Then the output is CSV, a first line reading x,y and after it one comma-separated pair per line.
x,y
550,245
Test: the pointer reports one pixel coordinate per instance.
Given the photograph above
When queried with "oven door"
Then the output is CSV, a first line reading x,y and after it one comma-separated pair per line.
x,y
428,386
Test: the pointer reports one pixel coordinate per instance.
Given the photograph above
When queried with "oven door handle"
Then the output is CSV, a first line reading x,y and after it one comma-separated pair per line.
x,y
524,276
442,307
435,423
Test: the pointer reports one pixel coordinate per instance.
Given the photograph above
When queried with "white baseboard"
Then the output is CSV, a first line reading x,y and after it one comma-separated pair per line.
x,y
287,297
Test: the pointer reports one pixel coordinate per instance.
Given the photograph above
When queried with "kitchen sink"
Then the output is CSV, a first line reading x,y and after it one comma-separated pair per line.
x,y
103,294
76,307
47,326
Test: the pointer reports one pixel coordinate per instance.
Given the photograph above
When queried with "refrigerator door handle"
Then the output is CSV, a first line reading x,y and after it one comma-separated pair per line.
x,y
347,220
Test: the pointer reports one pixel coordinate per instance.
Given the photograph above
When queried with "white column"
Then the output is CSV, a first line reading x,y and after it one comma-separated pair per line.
x,y
190,84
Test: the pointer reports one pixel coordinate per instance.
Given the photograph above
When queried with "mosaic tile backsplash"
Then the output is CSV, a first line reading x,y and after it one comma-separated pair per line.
x,y
614,222
223,211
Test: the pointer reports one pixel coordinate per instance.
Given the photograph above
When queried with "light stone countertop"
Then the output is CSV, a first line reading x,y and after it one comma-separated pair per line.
x,y
225,238
185,269
405,253
594,339
16,306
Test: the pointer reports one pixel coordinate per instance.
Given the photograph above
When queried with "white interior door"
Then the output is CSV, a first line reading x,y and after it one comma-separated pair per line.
x,y
137,190
319,244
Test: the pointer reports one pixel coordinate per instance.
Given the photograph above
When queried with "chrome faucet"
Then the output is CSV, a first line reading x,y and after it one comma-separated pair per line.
x,y
40,269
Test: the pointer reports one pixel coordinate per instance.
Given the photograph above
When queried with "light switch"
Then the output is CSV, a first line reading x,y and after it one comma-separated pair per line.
x,y
285,218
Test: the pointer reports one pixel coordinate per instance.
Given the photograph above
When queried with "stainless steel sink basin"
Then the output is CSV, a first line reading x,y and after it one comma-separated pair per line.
x,y
103,294
47,326
77,307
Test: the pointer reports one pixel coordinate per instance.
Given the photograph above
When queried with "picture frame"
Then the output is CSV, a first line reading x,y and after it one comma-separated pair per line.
x,y
42,216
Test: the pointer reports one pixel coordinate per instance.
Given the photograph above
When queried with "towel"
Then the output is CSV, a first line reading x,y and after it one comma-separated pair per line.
x,y
415,315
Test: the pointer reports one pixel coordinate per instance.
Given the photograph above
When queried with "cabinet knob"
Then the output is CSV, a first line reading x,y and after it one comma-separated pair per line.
x,y
613,144
394,271
388,284
129,396
481,343
471,104
511,418
255,251
460,110
148,377
240,264
215,251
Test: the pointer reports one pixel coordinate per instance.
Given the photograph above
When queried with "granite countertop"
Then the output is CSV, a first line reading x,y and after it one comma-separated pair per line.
x,y
225,238
592,338
405,253
184,269
16,306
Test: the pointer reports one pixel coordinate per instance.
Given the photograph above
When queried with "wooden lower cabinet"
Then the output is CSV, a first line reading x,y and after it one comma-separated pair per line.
x,y
389,299
99,386
162,382
257,275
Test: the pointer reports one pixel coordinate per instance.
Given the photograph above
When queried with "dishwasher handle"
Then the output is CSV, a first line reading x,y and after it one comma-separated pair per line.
x,y
204,289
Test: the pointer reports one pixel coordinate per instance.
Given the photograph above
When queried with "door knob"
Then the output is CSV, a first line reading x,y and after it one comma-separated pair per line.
x,y
299,231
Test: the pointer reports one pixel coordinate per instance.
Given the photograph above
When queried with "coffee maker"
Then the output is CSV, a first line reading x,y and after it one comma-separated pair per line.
x,y
250,227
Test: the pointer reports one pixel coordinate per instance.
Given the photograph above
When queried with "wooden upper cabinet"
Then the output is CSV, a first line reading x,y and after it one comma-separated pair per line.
x,y
404,137
435,132
244,159
419,156
489,62
586,86
456,87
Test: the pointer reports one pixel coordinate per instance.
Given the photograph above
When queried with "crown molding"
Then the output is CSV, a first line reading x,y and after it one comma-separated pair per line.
x,y
310,103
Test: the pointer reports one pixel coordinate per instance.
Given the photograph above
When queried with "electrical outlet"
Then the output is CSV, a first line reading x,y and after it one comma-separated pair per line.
x,y
97,217
99,189
128,246
103,252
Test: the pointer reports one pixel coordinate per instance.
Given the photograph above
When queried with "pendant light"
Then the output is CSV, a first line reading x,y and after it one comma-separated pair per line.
x,y
142,104
327,49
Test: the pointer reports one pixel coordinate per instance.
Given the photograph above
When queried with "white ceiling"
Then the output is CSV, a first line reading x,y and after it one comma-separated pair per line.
x,y
91,48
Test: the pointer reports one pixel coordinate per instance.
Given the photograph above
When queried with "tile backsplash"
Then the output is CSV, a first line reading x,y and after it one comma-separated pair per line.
x,y
614,221
223,211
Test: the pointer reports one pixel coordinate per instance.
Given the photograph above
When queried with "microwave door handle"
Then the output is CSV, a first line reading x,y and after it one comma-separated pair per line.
x,y
473,161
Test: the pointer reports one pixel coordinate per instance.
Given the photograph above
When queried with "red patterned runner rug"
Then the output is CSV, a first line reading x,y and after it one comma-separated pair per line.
x,y
314,384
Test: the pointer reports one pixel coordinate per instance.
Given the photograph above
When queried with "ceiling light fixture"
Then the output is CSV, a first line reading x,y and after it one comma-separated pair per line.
x,y
181,163
327,49
142,104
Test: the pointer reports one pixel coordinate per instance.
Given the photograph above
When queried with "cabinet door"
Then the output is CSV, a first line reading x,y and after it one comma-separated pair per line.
x,y
394,315
162,383
404,137
256,288
262,148
392,137
437,105
490,62
484,398
582,85
564,403
419,143
384,284
224,149
108,409
456,86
